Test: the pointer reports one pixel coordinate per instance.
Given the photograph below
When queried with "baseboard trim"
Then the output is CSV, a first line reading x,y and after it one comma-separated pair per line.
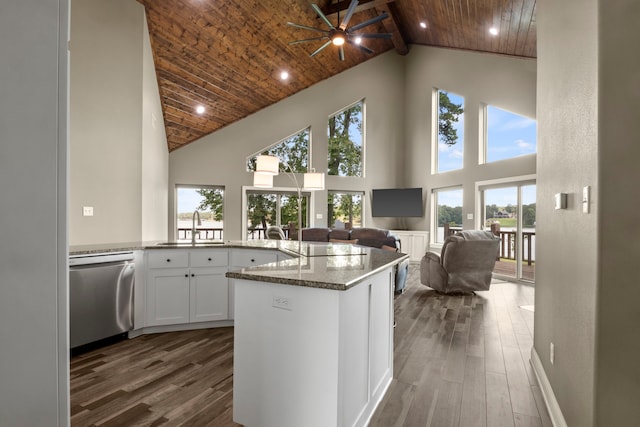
x,y
547,392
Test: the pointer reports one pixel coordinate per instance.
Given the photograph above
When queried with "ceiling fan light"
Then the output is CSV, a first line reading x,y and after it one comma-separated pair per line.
x,y
338,40
358,40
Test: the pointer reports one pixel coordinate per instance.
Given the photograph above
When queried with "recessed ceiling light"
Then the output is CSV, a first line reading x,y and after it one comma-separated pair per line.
x,y
284,75
493,31
423,24
200,109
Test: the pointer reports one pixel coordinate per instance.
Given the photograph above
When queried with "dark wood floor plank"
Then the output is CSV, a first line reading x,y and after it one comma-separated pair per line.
x,y
395,405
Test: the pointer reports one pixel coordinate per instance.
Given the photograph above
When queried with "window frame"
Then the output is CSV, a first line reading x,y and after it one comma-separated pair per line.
x,y
176,228
363,137
434,210
283,163
362,205
435,131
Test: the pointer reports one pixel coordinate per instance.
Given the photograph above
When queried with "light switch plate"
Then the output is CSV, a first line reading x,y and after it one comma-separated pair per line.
x,y
87,211
560,201
586,198
469,216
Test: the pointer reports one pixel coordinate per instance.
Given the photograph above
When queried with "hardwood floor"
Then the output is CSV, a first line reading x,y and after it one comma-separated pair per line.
x,y
459,361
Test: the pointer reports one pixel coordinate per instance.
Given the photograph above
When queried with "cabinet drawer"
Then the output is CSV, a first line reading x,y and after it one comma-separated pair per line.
x,y
209,258
168,259
248,258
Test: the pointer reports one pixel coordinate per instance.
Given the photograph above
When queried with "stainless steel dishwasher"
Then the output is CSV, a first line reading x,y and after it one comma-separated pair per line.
x,y
100,296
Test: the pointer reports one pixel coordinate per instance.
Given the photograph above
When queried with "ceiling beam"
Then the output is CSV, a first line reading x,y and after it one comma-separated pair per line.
x,y
391,26
331,11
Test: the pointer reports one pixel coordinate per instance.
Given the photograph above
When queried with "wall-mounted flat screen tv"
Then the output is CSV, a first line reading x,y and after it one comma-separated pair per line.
x,y
396,202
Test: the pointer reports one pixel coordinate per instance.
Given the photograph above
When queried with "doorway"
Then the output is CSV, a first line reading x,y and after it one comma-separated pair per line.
x,y
509,210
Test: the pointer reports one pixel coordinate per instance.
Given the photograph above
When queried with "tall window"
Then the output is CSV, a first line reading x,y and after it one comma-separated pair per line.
x,y
508,135
267,208
346,140
450,136
448,212
293,151
209,202
345,209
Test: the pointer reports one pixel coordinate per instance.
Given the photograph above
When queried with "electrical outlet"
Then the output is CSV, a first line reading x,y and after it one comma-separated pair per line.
x,y
87,211
282,302
552,353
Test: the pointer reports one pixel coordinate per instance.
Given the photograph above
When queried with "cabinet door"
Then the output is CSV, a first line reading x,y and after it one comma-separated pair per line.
x,y
209,294
167,296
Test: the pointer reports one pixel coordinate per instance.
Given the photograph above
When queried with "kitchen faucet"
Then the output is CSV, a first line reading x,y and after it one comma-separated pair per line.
x,y
193,226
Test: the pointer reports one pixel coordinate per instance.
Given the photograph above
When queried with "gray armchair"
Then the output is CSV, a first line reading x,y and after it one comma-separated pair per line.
x,y
465,265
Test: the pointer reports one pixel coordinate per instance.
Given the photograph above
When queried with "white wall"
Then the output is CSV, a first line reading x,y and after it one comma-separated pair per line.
x,y
155,155
34,363
504,82
567,240
118,160
220,158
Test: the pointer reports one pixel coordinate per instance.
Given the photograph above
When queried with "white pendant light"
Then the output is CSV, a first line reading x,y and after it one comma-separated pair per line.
x,y
313,181
267,164
262,180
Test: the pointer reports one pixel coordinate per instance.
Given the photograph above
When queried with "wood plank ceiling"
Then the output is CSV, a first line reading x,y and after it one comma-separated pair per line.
x,y
227,55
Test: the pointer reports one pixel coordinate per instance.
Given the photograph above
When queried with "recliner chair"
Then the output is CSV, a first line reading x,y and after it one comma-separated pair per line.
x,y
465,264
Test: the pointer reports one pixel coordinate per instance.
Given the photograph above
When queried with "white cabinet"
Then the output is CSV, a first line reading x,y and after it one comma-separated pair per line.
x,y
414,243
185,286
209,294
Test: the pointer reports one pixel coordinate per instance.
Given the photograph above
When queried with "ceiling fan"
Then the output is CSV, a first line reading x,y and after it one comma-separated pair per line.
x,y
341,34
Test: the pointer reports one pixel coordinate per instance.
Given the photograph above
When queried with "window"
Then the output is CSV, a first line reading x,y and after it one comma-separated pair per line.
x,y
345,209
293,151
450,131
346,140
508,135
448,212
268,208
209,202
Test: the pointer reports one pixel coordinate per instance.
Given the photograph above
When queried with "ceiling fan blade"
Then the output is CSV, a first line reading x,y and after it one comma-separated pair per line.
x,y
320,48
308,40
347,17
374,35
369,22
341,53
305,27
322,16
364,48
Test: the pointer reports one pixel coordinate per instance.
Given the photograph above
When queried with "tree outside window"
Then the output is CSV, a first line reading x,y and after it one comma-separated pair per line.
x,y
209,202
346,139
273,208
448,205
450,131
345,207
293,151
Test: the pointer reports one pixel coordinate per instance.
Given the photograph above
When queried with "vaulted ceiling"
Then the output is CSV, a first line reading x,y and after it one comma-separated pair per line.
x,y
228,55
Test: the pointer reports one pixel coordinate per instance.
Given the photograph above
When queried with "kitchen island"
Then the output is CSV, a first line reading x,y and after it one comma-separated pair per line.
x,y
313,335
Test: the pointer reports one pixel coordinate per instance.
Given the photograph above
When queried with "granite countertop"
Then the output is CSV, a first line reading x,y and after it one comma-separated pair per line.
x,y
78,250
336,266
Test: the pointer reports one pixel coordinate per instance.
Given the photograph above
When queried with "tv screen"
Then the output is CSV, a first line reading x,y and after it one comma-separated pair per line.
x,y
396,202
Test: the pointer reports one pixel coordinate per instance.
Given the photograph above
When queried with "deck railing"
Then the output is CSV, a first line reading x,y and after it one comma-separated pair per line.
x,y
507,242
205,233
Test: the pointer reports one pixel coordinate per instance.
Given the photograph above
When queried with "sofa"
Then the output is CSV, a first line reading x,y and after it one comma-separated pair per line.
x,y
372,237
466,263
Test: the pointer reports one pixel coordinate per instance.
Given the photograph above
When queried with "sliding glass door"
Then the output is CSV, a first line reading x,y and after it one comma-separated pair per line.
x,y
510,212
